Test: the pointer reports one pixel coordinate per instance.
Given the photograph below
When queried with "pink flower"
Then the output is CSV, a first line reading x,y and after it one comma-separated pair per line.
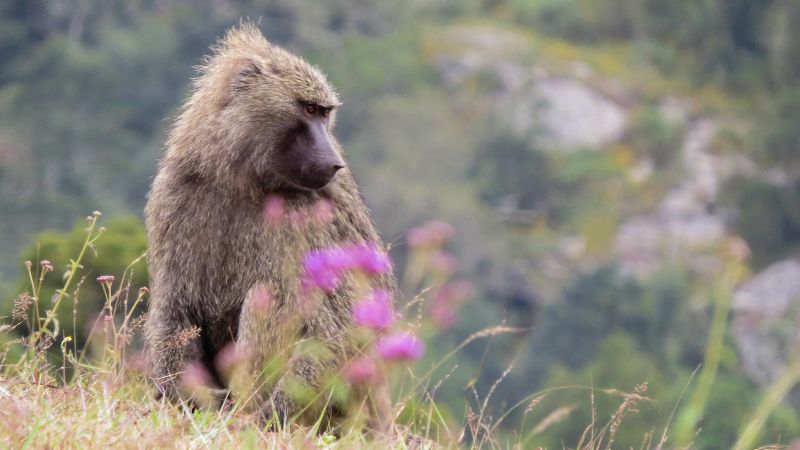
x,y
429,235
368,258
445,301
195,375
444,263
105,279
229,357
274,208
260,298
375,311
361,370
455,292
324,268
298,218
47,266
400,346
443,315
322,211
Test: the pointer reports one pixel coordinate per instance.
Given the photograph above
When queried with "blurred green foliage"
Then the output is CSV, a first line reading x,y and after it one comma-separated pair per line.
x,y
621,359
771,221
656,315
653,136
511,173
618,358
122,243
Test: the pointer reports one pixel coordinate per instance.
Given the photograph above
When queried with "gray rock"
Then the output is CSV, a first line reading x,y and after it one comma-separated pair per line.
x,y
574,116
565,112
766,320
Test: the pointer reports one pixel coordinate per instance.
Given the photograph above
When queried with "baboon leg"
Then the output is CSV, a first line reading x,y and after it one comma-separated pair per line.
x,y
369,405
265,334
379,408
286,375
301,396
168,353
276,367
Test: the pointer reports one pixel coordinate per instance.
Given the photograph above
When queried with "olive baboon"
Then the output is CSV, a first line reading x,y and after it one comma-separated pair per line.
x,y
257,126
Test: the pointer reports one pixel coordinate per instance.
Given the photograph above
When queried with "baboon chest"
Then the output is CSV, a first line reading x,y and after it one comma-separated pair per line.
x,y
249,251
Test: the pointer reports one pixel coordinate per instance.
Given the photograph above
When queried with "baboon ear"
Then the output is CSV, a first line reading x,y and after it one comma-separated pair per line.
x,y
247,70
238,77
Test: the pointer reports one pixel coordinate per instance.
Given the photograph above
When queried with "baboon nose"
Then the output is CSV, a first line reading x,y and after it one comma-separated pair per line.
x,y
333,169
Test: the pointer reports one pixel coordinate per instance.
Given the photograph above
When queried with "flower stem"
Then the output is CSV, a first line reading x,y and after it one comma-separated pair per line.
x,y
772,397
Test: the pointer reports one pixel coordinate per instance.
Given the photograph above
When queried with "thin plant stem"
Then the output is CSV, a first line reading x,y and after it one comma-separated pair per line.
x,y
693,410
771,398
73,269
35,297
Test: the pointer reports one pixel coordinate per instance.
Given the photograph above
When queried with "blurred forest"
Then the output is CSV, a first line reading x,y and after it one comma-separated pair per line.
x,y
602,162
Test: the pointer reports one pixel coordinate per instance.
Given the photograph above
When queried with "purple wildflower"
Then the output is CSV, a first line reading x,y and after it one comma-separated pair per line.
x,y
400,346
261,298
444,263
322,269
298,218
322,211
429,235
445,301
105,279
370,259
274,209
195,375
47,266
361,370
443,315
229,357
375,311
455,292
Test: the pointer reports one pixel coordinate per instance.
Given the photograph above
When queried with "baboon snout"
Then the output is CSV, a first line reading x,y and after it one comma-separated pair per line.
x,y
331,167
323,173
324,160
311,159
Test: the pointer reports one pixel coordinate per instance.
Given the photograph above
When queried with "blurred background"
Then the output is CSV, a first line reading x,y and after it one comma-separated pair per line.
x,y
615,171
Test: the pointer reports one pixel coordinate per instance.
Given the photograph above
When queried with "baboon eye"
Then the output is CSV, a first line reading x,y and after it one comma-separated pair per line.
x,y
326,112
311,110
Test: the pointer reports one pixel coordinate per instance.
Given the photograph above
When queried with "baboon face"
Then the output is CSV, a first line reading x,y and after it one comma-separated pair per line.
x,y
306,156
290,111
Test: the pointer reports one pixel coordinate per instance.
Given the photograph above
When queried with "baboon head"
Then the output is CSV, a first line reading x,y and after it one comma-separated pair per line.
x,y
273,111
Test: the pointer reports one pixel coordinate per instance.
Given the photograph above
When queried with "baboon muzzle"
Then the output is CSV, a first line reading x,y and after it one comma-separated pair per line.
x,y
312,159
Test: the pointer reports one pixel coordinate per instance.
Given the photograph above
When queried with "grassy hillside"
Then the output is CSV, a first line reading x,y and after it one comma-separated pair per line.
x,y
615,172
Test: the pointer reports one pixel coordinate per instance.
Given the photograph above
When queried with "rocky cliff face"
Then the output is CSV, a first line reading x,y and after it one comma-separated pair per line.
x,y
571,109
563,111
686,223
576,111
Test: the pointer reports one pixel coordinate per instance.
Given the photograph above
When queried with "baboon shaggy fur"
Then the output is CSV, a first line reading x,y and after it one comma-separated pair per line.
x,y
210,246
